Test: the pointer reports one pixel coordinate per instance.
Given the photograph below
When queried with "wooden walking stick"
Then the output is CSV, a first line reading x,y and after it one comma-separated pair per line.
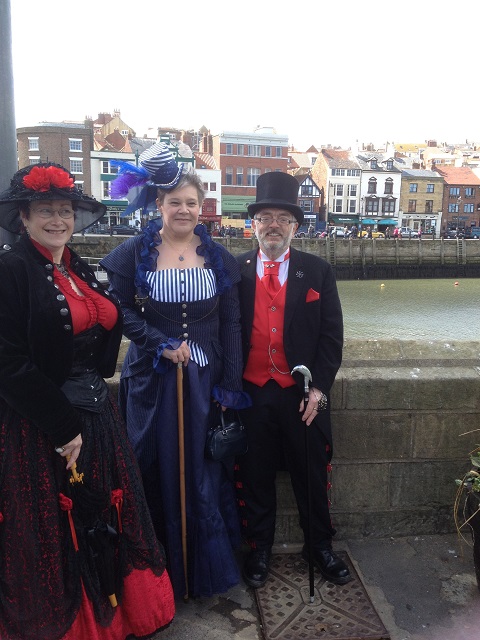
x,y
181,459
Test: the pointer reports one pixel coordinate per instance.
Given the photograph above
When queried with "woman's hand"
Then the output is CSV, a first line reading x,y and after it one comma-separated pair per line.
x,y
71,450
182,354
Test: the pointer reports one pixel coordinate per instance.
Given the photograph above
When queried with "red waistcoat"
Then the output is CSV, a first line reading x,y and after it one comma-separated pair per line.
x,y
266,358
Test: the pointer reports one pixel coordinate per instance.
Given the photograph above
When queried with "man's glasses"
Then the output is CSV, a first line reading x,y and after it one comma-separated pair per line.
x,y
48,212
281,220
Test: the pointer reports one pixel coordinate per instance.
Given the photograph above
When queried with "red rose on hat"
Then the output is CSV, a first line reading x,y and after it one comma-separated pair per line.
x,y
44,178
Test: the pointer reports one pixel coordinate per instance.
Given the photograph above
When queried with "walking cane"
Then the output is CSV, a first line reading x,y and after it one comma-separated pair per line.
x,y
307,377
181,460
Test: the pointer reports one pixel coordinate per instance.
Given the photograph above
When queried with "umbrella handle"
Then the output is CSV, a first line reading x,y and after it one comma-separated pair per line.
x,y
181,460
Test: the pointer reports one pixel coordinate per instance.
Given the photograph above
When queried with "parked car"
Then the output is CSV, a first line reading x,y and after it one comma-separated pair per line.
x,y
408,233
375,234
453,234
473,232
124,230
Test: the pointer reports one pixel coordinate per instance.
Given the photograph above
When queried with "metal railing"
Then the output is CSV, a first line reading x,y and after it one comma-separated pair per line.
x,y
100,273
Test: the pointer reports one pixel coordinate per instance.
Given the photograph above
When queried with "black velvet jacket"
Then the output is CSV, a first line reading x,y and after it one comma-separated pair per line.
x,y
36,340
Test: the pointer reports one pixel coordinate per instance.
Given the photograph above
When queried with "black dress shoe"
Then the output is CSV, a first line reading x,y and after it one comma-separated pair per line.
x,y
255,569
330,566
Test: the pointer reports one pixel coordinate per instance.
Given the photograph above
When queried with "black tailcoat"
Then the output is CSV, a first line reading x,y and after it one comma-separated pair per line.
x,y
313,331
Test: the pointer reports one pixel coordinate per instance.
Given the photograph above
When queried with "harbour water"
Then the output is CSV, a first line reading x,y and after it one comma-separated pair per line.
x,y
433,309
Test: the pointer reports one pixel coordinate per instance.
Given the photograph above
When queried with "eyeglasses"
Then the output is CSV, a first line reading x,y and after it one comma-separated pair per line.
x,y
281,220
47,212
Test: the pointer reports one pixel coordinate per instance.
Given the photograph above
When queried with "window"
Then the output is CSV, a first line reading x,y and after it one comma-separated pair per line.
x,y
107,167
252,176
352,206
429,206
240,150
469,192
337,206
213,186
205,186
279,152
389,165
413,187
468,208
74,144
373,163
228,175
254,150
353,172
76,165
268,152
430,188
306,205
79,186
229,149
338,189
240,176
389,185
306,189
338,172
33,144
33,159
454,192
453,208
412,206
372,185
106,190
124,132
388,205
372,205
352,190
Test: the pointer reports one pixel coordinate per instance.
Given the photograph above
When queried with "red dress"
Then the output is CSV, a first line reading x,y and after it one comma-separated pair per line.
x,y
51,583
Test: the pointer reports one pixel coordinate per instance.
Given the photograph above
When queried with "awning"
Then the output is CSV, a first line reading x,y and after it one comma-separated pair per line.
x,y
344,219
369,221
389,222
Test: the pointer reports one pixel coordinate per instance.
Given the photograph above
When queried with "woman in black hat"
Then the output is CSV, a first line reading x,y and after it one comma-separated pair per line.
x,y
178,293
66,547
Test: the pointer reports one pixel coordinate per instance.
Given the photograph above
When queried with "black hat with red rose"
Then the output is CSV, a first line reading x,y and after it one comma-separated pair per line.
x,y
46,181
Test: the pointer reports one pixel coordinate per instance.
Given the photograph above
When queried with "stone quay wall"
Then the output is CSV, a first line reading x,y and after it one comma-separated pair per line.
x,y
351,259
399,409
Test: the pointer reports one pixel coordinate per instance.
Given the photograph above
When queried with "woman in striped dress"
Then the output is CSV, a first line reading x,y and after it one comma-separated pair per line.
x,y
178,293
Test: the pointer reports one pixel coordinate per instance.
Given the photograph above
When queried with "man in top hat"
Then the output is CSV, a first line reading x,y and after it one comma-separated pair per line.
x,y
291,315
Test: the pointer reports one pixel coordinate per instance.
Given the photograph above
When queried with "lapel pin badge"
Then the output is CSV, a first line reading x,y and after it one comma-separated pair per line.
x,y
299,274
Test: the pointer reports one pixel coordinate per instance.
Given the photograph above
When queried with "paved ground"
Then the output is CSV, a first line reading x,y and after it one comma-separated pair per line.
x,y
423,588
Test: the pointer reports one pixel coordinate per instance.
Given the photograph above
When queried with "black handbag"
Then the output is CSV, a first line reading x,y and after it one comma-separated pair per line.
x,y
226,439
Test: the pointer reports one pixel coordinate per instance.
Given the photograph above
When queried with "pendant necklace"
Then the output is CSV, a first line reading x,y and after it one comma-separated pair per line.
x,y
62,269
180,255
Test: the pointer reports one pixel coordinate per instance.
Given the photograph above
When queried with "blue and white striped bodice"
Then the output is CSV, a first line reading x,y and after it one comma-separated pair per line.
x,y
183,285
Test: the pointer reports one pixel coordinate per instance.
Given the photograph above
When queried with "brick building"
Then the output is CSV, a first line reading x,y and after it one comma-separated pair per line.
x,y
66,143
461,198
242,158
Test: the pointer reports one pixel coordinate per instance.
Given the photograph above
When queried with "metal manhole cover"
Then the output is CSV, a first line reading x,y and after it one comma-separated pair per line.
x,y
338,613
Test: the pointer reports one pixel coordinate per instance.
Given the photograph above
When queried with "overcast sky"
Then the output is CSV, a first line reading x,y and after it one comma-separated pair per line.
x,y
320,72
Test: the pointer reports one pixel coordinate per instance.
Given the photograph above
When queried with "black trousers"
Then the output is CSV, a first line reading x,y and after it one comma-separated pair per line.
x,y
275,432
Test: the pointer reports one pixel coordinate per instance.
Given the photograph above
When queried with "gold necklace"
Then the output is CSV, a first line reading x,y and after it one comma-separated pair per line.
x,y
180,255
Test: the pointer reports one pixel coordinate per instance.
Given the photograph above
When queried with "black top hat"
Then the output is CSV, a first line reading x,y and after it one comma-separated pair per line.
x,y
278,190
46,181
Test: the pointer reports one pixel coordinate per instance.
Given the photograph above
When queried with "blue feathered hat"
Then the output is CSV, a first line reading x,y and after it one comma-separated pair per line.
x,y
156,169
